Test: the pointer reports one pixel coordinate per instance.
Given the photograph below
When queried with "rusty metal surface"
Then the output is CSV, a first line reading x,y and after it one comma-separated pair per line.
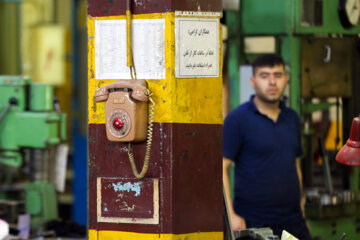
x,y
186,158
97,8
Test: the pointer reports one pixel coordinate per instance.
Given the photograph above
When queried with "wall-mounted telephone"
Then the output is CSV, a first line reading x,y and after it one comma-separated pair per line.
x,y
126,115
126,111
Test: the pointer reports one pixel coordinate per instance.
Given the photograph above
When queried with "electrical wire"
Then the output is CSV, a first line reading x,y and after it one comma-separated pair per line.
x,y
148,145
131,65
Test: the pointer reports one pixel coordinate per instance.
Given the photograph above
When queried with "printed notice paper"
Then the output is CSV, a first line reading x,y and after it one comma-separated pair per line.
x,y
197,48
148,44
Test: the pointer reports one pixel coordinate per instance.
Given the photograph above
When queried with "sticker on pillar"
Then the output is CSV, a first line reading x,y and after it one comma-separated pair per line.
x,y
148,46
121,200
197,47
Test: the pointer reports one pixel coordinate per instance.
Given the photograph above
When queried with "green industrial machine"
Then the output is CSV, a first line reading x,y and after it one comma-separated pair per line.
x,y
319,42
30,129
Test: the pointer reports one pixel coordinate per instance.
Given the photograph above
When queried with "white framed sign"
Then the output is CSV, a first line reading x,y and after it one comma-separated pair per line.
x,y
197,47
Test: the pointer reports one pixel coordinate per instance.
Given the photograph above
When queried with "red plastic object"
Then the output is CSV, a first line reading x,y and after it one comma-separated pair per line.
x,y
349,154
117,123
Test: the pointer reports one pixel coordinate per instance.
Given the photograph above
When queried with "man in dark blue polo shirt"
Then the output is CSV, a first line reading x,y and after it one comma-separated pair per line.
x,y
262,138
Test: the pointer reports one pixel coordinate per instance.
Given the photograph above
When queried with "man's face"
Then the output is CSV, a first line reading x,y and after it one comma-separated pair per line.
x,y
269,83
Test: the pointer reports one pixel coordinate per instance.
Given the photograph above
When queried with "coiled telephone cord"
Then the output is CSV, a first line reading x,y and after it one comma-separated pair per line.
x,y
148,145
131,65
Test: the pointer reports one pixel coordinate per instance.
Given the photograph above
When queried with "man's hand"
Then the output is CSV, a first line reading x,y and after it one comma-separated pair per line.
x,y
237,222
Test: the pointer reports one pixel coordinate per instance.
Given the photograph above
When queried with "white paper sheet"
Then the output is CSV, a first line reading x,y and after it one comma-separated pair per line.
x,y
60,166
197,47
148,44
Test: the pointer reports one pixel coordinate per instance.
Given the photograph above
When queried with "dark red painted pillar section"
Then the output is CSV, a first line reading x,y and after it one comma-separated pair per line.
x,y
98,8
175,161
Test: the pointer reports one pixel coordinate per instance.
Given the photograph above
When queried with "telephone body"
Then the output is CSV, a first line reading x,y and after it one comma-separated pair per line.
x,y
126,111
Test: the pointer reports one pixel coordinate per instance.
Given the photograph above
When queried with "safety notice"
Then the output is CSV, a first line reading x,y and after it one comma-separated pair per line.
x,y
197,48
148,44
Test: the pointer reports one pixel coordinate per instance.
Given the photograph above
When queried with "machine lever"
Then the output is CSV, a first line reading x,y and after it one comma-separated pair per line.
x,y
326,166
12,101
6,110
328,54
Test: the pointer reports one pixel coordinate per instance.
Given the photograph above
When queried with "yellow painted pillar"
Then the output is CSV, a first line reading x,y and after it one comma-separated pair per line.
x,y
181,194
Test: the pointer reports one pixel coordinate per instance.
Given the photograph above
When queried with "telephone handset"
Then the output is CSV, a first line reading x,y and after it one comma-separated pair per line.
x,y
126,110
127,116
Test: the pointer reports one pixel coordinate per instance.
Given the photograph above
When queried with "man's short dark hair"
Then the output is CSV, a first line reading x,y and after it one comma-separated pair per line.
x,y
267,60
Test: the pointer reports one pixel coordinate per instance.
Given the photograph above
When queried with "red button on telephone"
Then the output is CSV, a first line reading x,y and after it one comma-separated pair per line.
x,y
117,123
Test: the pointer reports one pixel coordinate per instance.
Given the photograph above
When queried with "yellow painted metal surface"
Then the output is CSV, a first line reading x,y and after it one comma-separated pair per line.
x,y
195,100
331,136
47,54
117,235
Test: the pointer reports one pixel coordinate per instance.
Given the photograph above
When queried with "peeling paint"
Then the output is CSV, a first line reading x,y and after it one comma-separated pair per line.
x,y
128,186
92,73
192,134
123,149
127,208
138,3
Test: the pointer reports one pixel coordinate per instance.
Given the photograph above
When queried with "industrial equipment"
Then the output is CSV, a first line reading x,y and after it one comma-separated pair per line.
x,y
30,131
255,234
319,41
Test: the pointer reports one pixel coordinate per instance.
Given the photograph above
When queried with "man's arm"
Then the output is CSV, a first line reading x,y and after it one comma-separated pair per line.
x,y
237,222
302,200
